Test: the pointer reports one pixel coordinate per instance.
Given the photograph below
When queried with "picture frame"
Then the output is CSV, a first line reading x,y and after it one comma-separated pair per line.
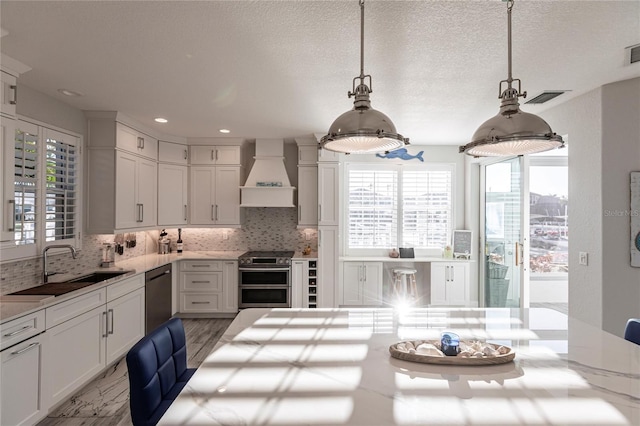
x,y
462,247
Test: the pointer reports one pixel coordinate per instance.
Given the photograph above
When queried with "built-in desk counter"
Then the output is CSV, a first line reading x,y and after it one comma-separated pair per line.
x,y
367,281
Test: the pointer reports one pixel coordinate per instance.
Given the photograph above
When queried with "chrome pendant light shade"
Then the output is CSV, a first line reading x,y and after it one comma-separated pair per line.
x,y
512,132
363,129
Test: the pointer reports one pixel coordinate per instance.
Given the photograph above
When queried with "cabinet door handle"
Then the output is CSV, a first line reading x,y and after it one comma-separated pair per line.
x,y
110,311
22,330
140,142
299,213
453,274
14,89
200,303
185,212
446,274
11,211
216,155
23,350
106,324
213,213
319,212
186,155
217,212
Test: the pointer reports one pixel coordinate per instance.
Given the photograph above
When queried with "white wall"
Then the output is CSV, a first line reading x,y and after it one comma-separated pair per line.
x,y
46,109
604,137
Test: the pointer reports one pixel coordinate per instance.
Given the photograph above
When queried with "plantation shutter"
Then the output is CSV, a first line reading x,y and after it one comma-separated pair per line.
x,y
60,188
372,208
25,184
427,208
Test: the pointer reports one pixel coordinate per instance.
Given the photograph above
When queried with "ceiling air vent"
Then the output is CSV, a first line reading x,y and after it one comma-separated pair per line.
x,y
634,54
545,96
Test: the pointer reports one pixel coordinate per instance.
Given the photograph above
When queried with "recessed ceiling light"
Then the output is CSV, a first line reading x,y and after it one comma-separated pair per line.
x,y
161,120
71,93
225,131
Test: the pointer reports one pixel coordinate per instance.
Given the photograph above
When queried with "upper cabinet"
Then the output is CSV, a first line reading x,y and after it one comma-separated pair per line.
x,y
136,142
215,155
169,152
307,183
328,192
122,176
8,94
307,155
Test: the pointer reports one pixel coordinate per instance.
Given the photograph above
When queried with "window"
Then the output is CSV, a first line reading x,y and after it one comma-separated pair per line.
x,y
46,189
399,206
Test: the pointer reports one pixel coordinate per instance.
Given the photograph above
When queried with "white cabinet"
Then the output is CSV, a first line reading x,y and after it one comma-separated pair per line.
x,y
328,192
7,211
215,195
136,142
23,400
169,152
328,237
172,194
307,196
230,287
8,94
125,323
136,191
89,331
450,284
308,155
122,178
298,275
208,287
76,352
215,155
361,284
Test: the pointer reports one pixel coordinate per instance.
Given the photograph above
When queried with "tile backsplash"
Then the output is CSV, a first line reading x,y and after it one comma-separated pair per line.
x,y
264,229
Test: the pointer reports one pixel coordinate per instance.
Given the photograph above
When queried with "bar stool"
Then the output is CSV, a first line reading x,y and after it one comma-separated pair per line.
x,y
404,283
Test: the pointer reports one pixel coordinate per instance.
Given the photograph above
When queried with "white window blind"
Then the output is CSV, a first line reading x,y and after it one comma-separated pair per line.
x,y
399,206
373,213
26,184
427,208
60,184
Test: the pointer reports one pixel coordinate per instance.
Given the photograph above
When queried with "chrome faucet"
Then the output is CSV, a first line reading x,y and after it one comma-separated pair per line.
x,y
45,274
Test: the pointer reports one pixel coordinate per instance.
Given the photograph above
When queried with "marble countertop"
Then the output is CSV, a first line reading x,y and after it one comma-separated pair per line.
x,y
332,367
11,309
401,259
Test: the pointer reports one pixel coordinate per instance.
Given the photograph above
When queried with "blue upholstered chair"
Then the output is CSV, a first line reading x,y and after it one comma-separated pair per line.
x,y
158,371
632,331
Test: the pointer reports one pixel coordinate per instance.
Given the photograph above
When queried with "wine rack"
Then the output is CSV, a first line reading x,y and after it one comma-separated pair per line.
x,y
312,284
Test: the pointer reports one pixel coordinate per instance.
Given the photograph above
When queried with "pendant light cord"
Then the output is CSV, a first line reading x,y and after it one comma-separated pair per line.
x,y
509,7
361,41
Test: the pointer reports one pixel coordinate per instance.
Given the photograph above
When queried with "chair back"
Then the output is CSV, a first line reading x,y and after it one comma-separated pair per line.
x,y
632,331
157,367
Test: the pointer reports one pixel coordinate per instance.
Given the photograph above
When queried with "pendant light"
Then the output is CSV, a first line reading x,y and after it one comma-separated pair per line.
x,y
362,130
511,131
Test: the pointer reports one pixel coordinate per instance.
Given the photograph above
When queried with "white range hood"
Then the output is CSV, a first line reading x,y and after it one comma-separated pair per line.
x,y
268,184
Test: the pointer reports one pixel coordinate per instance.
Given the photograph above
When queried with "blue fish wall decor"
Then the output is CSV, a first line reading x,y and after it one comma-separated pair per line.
x,y
402,154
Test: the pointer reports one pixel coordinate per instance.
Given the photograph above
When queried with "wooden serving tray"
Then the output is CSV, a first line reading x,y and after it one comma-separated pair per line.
x,y
450,360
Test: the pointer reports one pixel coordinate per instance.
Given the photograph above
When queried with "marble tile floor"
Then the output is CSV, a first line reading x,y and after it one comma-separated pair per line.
x,y
105,400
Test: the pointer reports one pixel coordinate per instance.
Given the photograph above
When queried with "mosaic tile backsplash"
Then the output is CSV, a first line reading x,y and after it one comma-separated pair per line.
x,y
264,229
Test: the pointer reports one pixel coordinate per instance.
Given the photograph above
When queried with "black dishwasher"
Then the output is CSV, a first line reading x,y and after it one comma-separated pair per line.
x,y
157,296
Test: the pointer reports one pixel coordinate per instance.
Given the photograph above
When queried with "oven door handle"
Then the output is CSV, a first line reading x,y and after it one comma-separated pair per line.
x,y
264,269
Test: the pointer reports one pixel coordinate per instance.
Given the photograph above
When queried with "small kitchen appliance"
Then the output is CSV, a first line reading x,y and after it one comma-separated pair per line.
x,y
164,243
108,255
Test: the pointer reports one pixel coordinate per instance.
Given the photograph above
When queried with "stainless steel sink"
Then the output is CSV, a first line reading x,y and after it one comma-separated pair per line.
x,y
97,277
58,289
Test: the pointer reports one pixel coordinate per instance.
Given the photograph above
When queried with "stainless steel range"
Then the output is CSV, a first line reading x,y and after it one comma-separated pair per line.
x,y
265,279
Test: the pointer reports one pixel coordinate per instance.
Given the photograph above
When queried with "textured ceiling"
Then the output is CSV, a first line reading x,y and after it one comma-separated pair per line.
x,y
283,68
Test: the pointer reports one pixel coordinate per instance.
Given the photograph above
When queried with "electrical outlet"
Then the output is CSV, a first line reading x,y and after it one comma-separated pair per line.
x,y
583,258
225,235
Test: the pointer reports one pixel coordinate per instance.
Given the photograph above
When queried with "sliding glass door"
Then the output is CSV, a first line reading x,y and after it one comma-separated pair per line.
x,y
504,232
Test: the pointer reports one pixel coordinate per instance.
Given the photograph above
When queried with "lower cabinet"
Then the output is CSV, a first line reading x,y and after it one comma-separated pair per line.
x,y
449,284
208,287
76,352
125,323
361,284
82,342
23,400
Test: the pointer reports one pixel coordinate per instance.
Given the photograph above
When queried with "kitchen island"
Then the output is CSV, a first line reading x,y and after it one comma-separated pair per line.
x,y
332,367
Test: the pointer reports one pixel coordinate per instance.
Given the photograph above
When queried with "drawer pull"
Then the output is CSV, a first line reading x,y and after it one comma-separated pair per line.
x,y
22,330
23,350
200,282
200,303
201,266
